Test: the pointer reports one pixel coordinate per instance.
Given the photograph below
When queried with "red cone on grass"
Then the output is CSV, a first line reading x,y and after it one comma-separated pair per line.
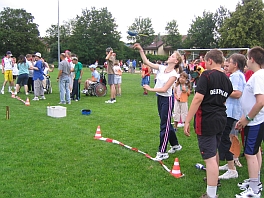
x,y
13,95
98,134
27,103
176,170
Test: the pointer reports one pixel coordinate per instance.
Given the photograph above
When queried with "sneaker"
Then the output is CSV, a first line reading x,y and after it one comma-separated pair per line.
x,y
84,91
245,184
114,101
237,163
62,103
35,99
161,156
109,101
44,90
76,100
180,125
229,174
27,93
43,98
2,92
206,196
223,168
175,148
248,193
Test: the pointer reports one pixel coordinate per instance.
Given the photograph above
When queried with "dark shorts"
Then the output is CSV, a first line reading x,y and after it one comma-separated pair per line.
x,y
14,77
253,138
111,79
208,145
22,79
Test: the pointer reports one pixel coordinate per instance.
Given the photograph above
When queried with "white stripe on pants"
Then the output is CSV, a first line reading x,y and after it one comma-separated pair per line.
x,y
180,111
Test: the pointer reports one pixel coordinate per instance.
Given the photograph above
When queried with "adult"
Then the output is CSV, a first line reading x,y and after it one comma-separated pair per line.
x,y
94,79
166,76
38,78
134,65
68,58
23,68
252,102
110,58
237,63
7,67
78,70
64,80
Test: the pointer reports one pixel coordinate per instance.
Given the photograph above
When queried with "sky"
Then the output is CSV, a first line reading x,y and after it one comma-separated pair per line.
x,y
46,12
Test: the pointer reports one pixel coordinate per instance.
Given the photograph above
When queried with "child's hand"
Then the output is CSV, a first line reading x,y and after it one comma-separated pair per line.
x,y
147,87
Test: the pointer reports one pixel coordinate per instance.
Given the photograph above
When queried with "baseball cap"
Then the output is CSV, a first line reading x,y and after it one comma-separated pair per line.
x,y
38,54
92,66
9,53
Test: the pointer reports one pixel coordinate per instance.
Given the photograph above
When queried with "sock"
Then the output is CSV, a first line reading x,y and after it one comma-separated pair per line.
x,y
113,98
259,177
211,191
254,184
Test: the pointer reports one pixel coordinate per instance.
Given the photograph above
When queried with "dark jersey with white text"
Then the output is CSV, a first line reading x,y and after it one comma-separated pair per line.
x,y
211,116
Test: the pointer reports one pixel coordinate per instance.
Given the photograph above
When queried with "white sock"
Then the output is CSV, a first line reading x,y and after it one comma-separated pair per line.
x,y
211,191
259,177
3,88
254,184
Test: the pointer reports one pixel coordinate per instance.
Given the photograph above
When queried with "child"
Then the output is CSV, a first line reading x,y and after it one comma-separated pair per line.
x,y
166,76
46,71
237,63
15,70
181,94
145,74
252,102
118,77
208,104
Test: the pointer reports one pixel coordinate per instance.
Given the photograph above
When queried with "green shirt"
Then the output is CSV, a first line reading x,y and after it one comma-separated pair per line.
x,y
77,69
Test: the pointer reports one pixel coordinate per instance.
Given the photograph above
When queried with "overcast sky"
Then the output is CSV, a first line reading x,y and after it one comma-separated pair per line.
x,y
125,12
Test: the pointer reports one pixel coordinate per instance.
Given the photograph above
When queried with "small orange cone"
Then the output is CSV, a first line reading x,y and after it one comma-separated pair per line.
x,y
27,103
98,134
176,170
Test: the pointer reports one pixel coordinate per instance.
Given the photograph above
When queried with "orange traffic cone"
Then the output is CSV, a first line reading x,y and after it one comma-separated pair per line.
x,y
27,103
13,94
98,134
176,170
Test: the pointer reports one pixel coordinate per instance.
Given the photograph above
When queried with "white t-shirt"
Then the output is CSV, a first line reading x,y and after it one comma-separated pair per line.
x,y
162,79
116,68
253,87
46,71
7,63
15,70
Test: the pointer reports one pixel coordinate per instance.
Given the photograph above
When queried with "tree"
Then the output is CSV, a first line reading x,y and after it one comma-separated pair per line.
x,y
174,38
245,26
143,26
220,16
201,33
93,32
18,32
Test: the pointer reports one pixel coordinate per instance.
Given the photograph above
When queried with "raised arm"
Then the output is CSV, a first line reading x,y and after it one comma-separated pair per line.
x,y
144,58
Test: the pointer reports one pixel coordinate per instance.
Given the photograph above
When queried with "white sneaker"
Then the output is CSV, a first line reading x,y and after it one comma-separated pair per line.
x,y
245,184
229,174
35,99
161,156
109,101
180,125
84,91
223,168
2,92
27,93
114,101
43,98
237,163
248,193
175,148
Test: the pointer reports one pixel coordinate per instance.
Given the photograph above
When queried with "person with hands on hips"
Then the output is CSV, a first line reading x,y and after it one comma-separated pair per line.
x,y
166,76
252,102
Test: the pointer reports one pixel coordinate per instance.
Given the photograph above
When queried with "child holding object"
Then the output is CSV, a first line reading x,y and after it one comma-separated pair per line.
x,y
118,77
145,74
166,76
208,105
181,94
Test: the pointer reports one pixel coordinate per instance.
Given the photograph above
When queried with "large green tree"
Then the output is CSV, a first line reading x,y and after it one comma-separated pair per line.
x,y
245,26
93,32
143,26
220,16
174,38
201,33
18,32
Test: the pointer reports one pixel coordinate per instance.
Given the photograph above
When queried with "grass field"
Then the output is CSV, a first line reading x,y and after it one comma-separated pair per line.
x,y
42,156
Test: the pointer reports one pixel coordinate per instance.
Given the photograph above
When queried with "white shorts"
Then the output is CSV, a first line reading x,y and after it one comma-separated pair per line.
x,y
117,80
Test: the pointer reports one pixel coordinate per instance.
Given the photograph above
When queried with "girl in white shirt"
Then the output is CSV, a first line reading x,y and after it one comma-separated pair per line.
x,y
166,76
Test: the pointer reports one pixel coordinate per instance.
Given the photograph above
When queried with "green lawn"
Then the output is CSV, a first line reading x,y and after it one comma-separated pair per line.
x,y
42,156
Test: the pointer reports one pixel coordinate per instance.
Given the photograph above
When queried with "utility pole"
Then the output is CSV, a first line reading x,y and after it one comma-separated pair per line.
x,y
58,33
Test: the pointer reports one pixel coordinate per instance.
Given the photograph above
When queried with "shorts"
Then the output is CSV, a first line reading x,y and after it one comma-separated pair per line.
x,y
14,77
234,131
117,80
22,79
9,75
208,145
145,80
253,138
111,79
